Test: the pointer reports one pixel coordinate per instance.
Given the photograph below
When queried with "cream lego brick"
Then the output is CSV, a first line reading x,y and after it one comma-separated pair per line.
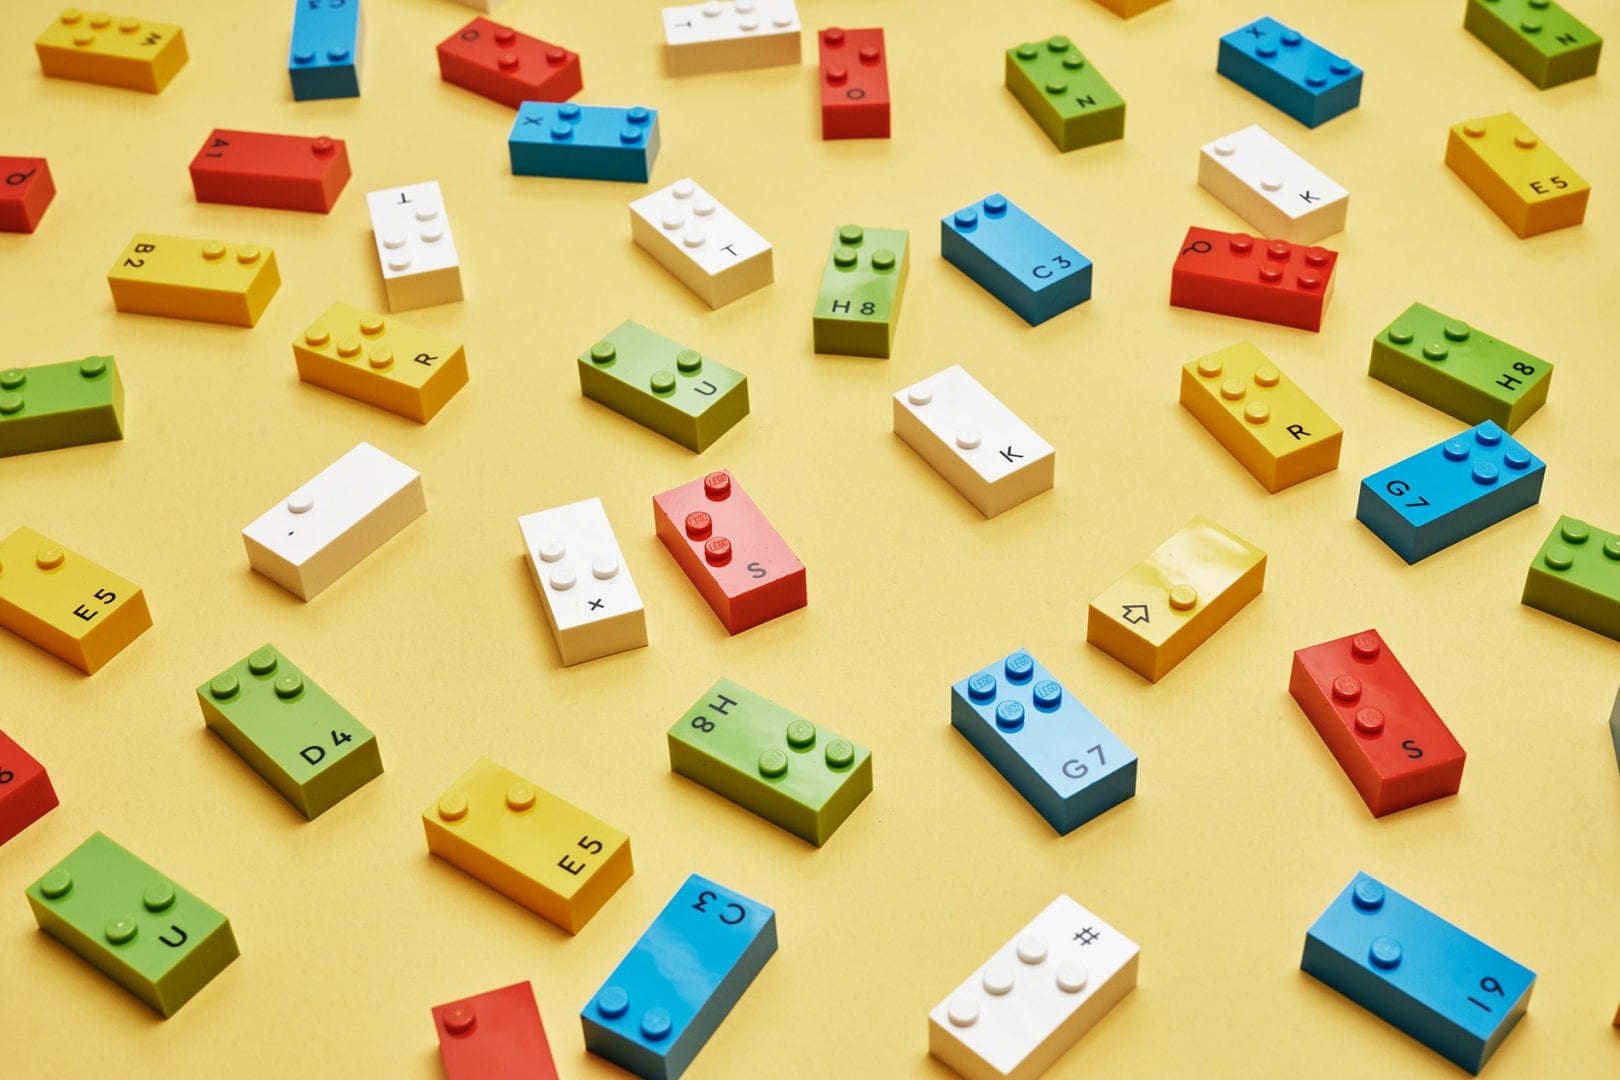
x,y
415,246
718,36
1014,1017
710,249
974,441
1276,191
590,599
325,528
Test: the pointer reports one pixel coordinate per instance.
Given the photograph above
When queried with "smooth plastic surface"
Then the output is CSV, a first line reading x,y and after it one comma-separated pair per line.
x,y
664,386
854,84
494,1034
382,361
1576,576
1015,259
705,246
584,142
1272,188
1285,69
1518,176
415,247
590,600
51,406
858,305
1065,94
280,172
67,605
507,65
184,278
1253,278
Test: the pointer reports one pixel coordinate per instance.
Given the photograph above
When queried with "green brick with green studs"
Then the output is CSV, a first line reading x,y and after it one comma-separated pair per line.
x,y
664,386
56,405
306,745
858,308
1539,37
146,933
770,761
1065,94
1576,576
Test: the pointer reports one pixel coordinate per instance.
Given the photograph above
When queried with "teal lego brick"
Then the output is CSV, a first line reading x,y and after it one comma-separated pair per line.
x,y
1065,94
662,385
858,307
1540,38
57,405
1451,366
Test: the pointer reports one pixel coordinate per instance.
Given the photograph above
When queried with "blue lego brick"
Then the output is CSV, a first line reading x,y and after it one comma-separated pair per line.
x,y
584,142
1450,491
679,980
1287,70
1410,968
1043,741
1016,259
324,58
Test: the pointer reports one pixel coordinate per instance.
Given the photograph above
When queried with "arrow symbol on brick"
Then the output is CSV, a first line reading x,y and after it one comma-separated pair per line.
x,y
1136,613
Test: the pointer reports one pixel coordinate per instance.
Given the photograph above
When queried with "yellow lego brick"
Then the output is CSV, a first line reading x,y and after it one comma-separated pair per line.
x,y
1173,601
1261,416
529,845
1518,176
381,361
1126,9
66,604
194,279
113,50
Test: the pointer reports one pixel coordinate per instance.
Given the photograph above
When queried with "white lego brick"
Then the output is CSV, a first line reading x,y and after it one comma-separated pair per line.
x,y
1015,1016
710,249
730,36
974,441
325,528
1279,193
414,245
590,599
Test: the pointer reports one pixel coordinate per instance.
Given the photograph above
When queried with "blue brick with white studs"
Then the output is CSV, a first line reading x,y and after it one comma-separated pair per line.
x,y
324,58
1015,258
584,142
1287,70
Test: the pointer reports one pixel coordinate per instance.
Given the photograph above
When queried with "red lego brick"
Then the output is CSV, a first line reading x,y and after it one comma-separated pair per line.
x,y
740,564
25,191
506,66
495,1034
1267,280
854,85
1386,736
25,789
282,172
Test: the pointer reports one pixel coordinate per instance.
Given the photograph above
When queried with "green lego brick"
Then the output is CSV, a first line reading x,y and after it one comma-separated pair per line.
x,y
858,308
770,761
1447,364
1540,38
304,744
1576,576
56,405
143,931
664,386
1065,93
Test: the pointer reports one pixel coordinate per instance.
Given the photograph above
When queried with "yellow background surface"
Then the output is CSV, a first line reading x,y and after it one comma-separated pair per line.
x,y
1243,827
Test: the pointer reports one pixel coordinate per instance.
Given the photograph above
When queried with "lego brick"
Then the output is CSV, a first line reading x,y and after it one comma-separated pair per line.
x,y
709,249
25,191
1035,997
681,978
528,845
140,928
584,142
411,226
1377,724
381,361
496,1033
65,604
1173,601
1261,416
1266,280
1417,972
279,172
770,761
205,280
327,526
732,555
26,794
51,406
1546,43
1127,9
1518,176
308,747
1015,258
858,307
708,37
1614,735
1272,188
1450,491
112,50
662,385
323,60
1289,71
1449,365
1576,576
854,84
506,66
589,597
1065,94
1043,741
981,447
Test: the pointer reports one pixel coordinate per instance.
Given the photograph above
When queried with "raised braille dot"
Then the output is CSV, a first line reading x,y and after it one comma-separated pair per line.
x,y
851,235
550,548
968,438
603,352
698,525
1455,450
520,796
1456,331
966,219
1240,244
1574,532
840,754
1009,716
1270,275
158,896
1485,474
120,929
1474,129
996,980
801,734
381,357
604,568
247,256
12,378
1524,140
1369,721
662,382
1028,51
1071,977
995,206
1559,557
323,146
717,486
224,687
883,260
1366,646
1368,895
688,361
49,558
1271,183
1031,949
1516,458
845,257
453,807
962,1012
1267,375
289,685
1400,335
300,503
1048,694
656,1024
460,1018
1488,435
561,579
1233,389
919,395
612,1002
1346,688
1385,953
717,552
1056,86
1611,548
10,404
834,36
773,764
1257,412
1210,367
1183,597
1019,667
982,687
56,884
561,130
348,348
93,367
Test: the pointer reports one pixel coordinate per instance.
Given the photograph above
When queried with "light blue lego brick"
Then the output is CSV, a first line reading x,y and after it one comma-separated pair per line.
x,y
1289,71
679,980
1043,741
1409,967
324,58
1450,491
1016,259
584,142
